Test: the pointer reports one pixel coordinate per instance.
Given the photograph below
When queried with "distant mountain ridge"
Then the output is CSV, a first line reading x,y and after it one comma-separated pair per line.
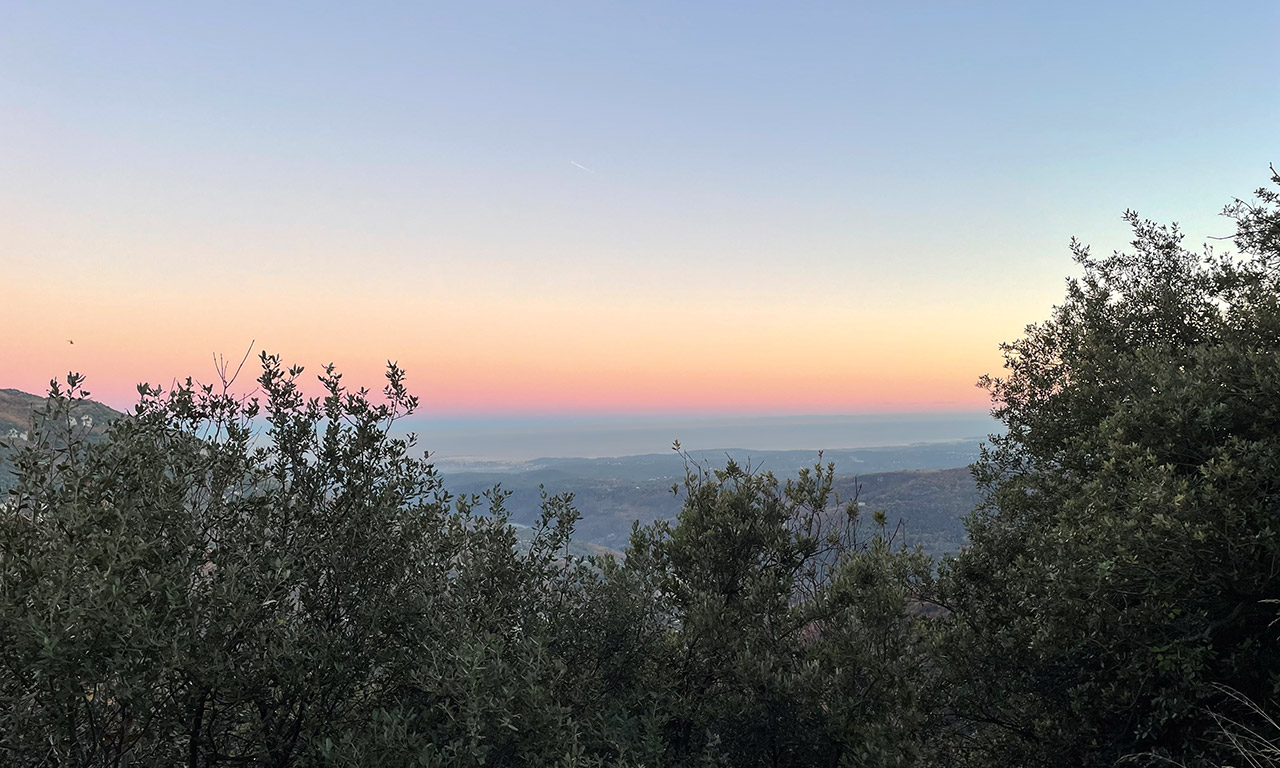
x,y
16,411
927,487
887,458
17,408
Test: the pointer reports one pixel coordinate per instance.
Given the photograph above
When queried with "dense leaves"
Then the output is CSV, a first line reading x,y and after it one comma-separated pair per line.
x,y
278,581
1128,543
181,593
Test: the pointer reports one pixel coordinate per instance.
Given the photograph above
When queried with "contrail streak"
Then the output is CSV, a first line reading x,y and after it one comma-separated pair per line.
x,y
580,165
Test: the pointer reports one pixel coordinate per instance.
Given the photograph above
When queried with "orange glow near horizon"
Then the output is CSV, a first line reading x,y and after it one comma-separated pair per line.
x,y
567,210
512,354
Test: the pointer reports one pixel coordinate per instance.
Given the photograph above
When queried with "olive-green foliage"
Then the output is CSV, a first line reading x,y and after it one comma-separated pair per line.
x,y
223,581
1129,538
790,640
182,594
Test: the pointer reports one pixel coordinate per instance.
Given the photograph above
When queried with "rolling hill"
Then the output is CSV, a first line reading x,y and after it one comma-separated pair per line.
x,y
926,487
17,408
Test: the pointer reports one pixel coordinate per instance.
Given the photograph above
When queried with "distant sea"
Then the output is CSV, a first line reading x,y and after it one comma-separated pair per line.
x,y
522,440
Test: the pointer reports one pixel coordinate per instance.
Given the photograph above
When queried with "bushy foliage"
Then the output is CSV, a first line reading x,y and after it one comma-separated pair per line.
x,y
279,581
181,593
791,643
1127,545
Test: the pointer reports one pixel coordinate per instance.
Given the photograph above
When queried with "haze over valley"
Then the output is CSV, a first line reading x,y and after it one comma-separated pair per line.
x,y
912,467
511,441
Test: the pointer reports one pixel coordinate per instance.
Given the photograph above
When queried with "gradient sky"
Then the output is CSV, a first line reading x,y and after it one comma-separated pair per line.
x,y
594,207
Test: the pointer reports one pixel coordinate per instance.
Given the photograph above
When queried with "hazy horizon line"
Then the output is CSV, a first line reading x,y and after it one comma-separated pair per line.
x,y
601,438
419,420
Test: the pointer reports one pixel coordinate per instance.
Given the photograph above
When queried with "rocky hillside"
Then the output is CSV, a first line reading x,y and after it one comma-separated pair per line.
x,y
17,408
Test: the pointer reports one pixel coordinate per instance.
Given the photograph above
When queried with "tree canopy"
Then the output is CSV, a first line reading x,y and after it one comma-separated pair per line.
x,y
1123,559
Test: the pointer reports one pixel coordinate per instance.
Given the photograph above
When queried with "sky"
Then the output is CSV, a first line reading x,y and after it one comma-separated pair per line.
x,y
558,210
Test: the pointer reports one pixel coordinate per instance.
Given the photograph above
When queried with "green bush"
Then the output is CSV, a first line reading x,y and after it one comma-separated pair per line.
x,y
1127,544
278,581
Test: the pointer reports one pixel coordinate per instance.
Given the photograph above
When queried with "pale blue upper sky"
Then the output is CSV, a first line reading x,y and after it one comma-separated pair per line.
x,y
896,155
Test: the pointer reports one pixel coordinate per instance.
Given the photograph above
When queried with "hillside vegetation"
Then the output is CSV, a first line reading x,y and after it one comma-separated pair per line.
x,y
611,494
182,591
